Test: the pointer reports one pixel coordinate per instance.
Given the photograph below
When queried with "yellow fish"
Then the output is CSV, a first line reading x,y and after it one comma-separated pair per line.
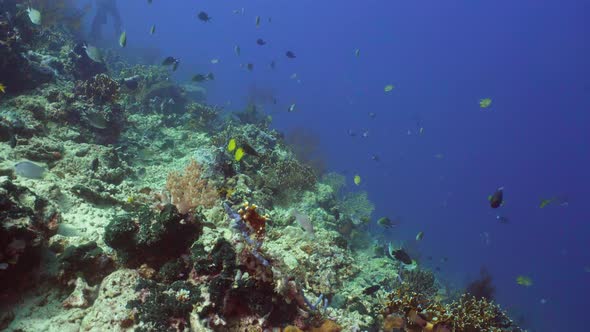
x,y
231,145
524,281
485,103
2,88
239,154
357,180
388,88
545,202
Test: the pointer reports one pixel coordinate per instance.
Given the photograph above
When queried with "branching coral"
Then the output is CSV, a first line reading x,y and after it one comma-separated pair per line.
x,y
421,313
189,190
287,177
100,89
201,116
418,281
357,204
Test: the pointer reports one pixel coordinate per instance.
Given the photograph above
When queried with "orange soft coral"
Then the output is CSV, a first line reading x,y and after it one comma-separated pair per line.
x,y
188,190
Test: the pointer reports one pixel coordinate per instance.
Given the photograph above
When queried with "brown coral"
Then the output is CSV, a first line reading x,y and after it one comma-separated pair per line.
x,y
468,314
253,219
189,190
99,89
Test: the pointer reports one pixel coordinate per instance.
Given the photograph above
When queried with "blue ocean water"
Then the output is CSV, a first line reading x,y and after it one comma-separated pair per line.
x,y
529,57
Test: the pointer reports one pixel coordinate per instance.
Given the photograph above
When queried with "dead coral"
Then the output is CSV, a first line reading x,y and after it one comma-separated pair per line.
x,y
99,89
188,190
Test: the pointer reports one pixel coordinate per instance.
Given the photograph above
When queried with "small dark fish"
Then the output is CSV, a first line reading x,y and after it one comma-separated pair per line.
x,y
249,150
437,268
371,290
201,77
169,61
12,140
402,256
94,164
250,66
375,158
497,198
444,259
175,65
131,82
351,133
502,220
272,64
204,17
260,42
290,55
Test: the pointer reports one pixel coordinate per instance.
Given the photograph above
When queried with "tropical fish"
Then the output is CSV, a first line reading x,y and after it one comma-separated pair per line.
x,y
371,290
2,88
201,77
290,55
250,150
123,39
419,236
293,76
502,220
386,222
524,281
214,61
204,16
304,222
237,50
260,42
29,170
169,61
153,29
34,15
239,154
357,52
93,53
357,179
485,103
231,145
291,108
388,88
402,256
97,120
545,202
257,21
496,198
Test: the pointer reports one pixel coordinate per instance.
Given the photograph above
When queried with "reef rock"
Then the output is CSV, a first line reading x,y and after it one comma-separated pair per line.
x,y
26,223
109,312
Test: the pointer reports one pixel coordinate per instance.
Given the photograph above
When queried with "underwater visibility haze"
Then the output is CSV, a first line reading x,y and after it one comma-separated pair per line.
x,y
299,165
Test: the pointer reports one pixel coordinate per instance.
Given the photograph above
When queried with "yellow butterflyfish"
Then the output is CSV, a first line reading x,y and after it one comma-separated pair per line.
x,y
231,145
239,154
357,180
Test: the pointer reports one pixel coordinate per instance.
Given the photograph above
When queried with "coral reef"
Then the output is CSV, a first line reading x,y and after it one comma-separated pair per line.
x,y
151,237
155,212
412,311
99,89
26,223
